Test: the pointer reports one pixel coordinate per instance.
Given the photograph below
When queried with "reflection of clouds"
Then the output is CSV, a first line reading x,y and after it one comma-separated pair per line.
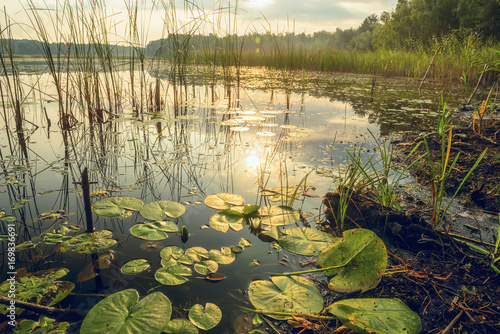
x,y
349,121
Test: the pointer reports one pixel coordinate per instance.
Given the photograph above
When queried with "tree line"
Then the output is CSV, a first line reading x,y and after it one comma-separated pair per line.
x,y
412,24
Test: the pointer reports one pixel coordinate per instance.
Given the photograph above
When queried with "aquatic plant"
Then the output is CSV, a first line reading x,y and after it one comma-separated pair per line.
x,y
350,181
384,180
440,172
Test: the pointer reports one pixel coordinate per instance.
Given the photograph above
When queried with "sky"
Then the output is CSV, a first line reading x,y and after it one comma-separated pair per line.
x,y
276,16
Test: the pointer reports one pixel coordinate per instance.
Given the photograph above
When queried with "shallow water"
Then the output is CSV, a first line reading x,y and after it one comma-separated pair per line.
x,y
205,147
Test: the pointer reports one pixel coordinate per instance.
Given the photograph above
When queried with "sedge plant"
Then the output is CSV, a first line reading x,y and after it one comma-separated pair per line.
x,y
383,181
441,172
349,183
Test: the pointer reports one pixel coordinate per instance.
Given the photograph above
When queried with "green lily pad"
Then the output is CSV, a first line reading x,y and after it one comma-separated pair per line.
x,y
377,315
116,206
224,256
304,240
244,242
41,287
180,326
292,294
223,201
250,210
226,219
361,258
205,317
123,313
43,325
158,210
177,254
173,275
197,253
156,230
171,251
278,215
55,238
205,267
88,243
135,266
168,263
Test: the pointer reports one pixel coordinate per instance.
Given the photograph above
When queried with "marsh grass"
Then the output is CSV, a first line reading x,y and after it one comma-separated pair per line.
x,y
10,82
350,182
384,180
440,172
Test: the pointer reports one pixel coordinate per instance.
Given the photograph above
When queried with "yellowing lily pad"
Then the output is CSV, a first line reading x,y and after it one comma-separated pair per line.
x,y
223,201
226,219
224,256
205,267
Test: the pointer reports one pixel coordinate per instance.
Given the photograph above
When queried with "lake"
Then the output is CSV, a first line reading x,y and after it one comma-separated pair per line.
x,y
257,138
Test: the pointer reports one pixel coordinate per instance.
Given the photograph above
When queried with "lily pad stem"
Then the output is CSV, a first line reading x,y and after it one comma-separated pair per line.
x,y
311,316
307,271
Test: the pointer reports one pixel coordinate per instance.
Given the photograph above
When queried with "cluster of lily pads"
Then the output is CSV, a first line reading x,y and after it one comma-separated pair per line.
x,y
354,262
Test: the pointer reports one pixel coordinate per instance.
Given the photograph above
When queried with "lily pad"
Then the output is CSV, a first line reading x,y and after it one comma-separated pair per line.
x,y
244,242
135,266
116,206
177,254
89,243
158,210
224,256
226,219
197,253
123,313
180,326
205,267
205,317
223,201
292,294
304,240
156,230
361,258
43,325
377,315
41,287
278,215
173,275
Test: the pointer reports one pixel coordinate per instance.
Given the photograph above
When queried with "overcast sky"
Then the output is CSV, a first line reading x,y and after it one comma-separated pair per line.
x,y
299,16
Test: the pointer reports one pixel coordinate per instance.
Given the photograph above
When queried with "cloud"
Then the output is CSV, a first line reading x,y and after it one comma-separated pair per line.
x,y
281,15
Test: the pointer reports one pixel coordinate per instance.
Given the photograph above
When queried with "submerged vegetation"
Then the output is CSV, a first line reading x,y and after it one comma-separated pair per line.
x,y
157,125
